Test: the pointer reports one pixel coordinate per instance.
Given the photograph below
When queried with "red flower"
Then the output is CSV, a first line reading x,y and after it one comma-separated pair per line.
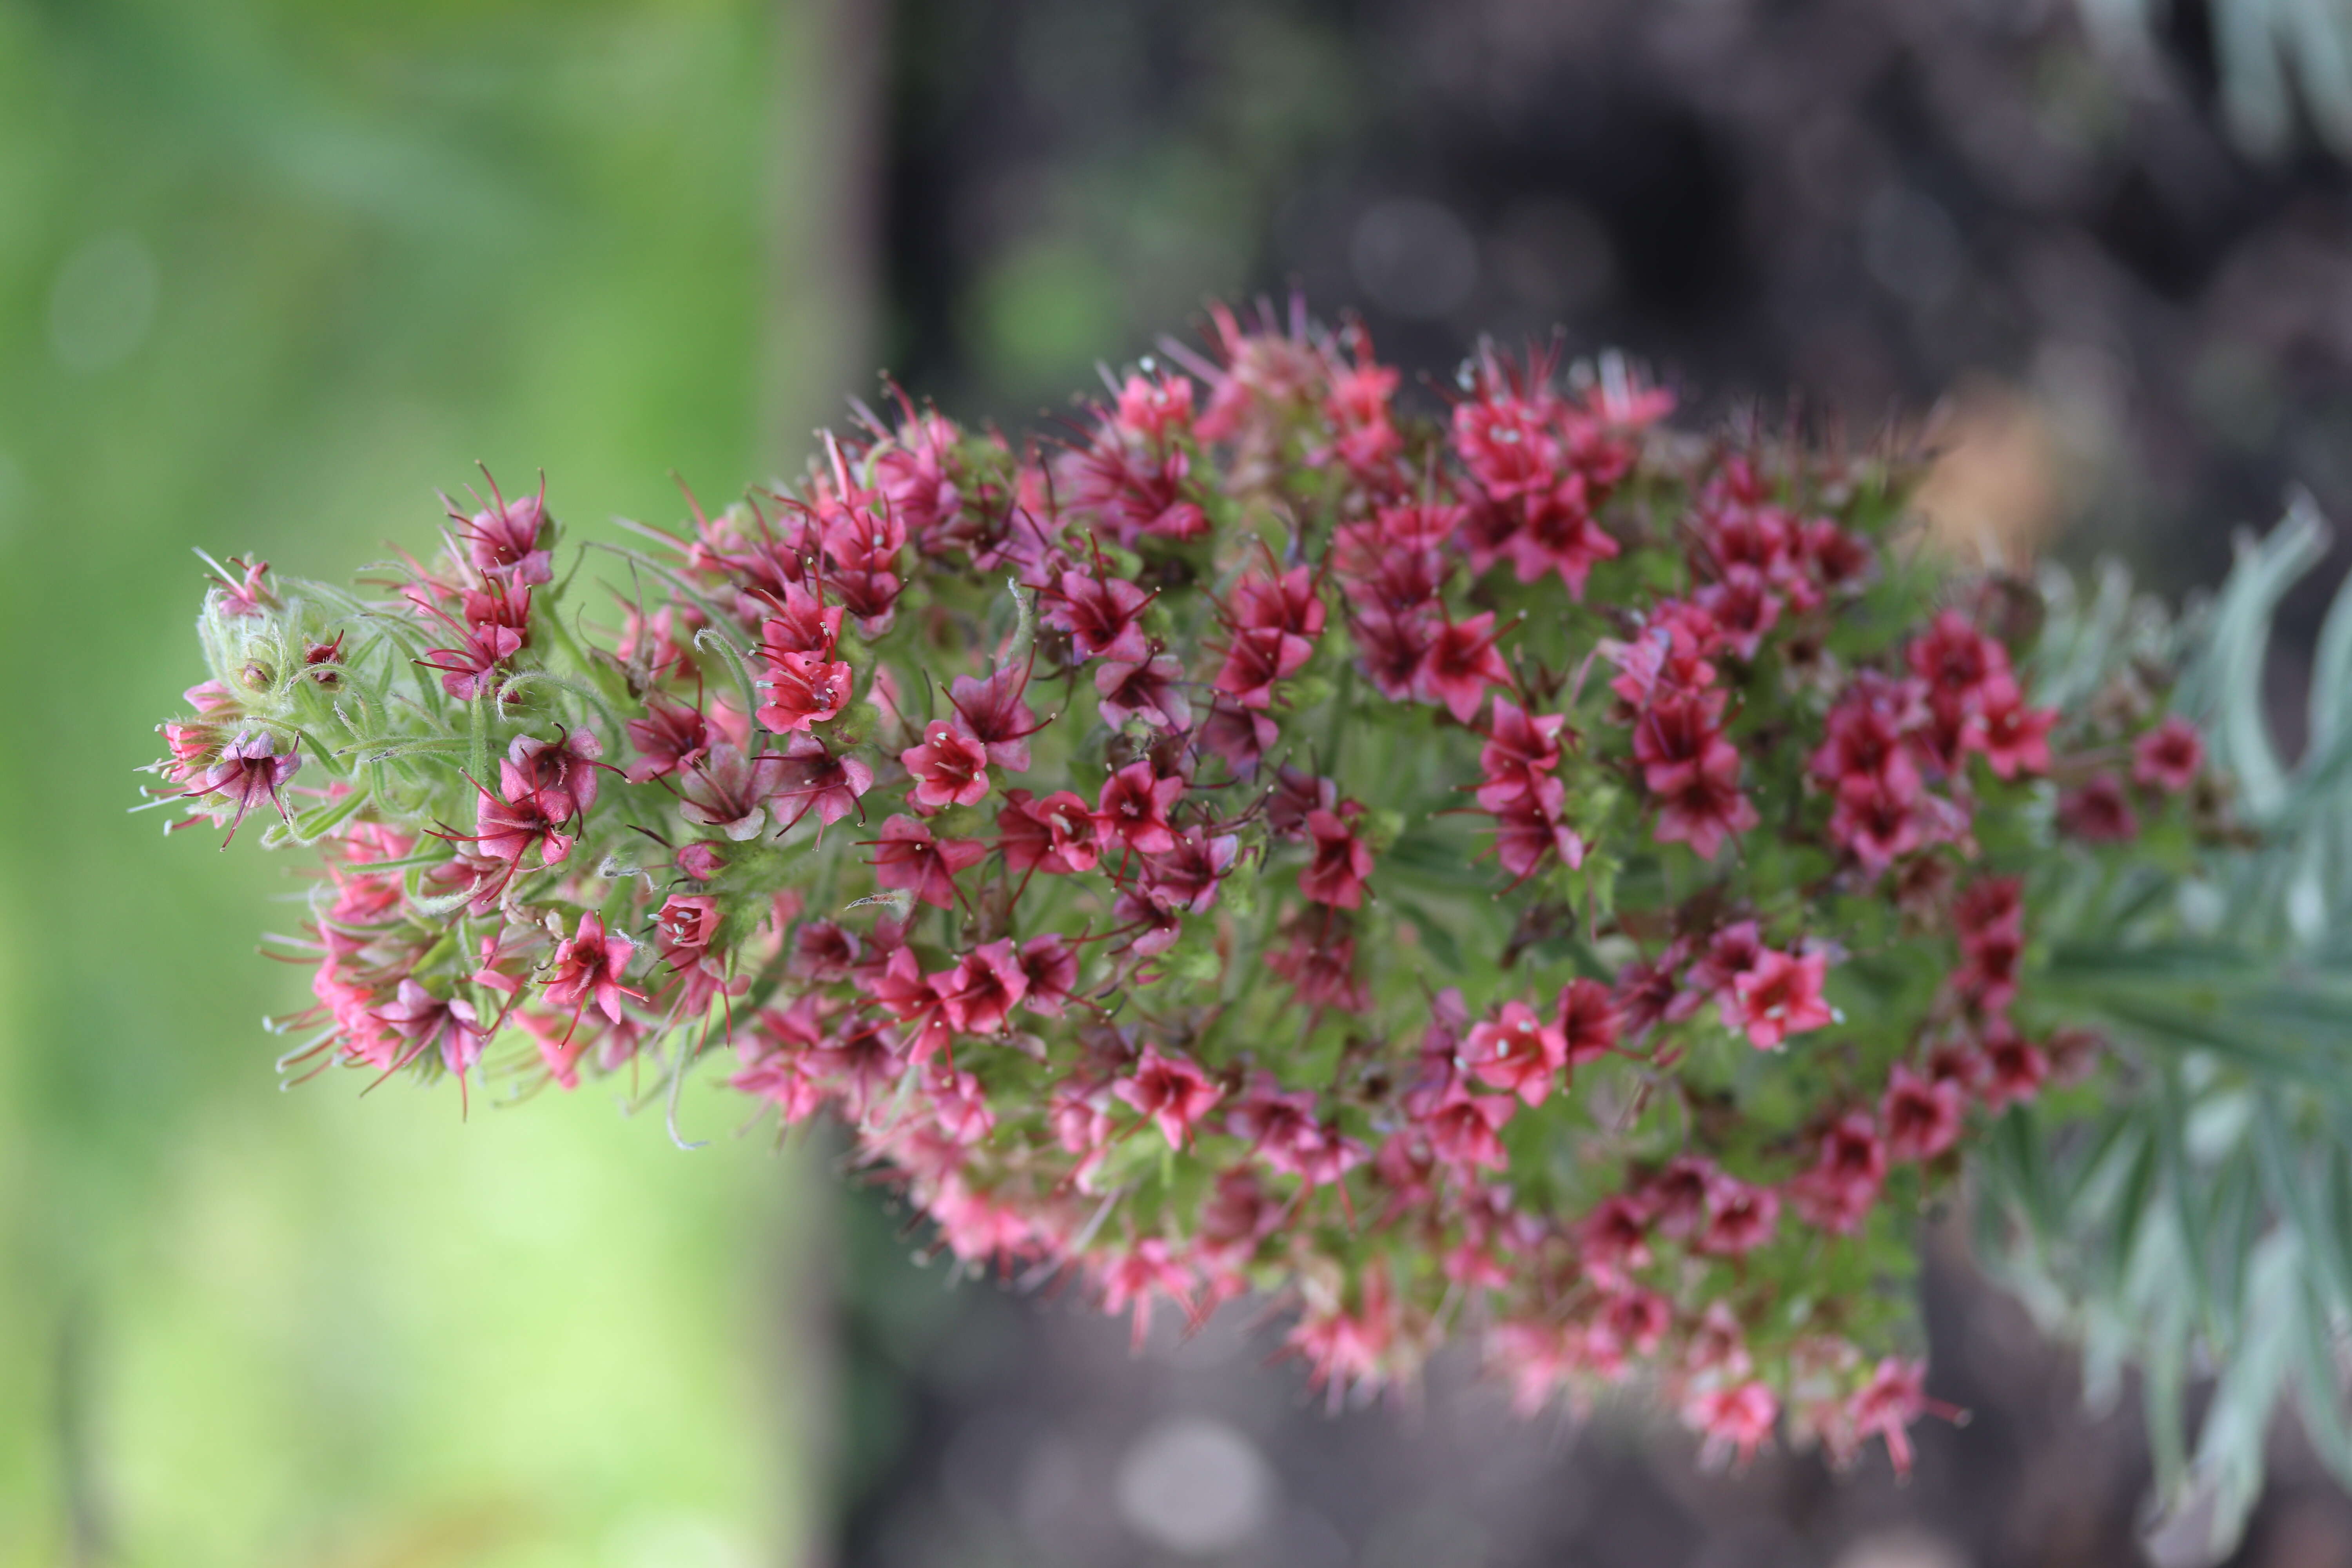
x,y
425,1021
587,966
1151,689
508,831
557,777
1955,659
1256,658
907,856
471,669
1171,1092
1781,996
670,736
2015,738
810,777
730,790
1895,1396
1740,1217
1587,1021
251,770
1056,834
1845,1177
985,985
1133,807
2016,1069
1103,616
1922,1116
1049,970
1459,664
1516,1052
1462,1128
2098,813
2168,757
1335,872
993,713
504,538
1744,605
950,768
1738,1419
1289,604
1520,754
1186,878
1154,408
803,689
1704,805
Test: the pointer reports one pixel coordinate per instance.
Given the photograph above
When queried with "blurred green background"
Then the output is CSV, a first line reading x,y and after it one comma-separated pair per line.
x,y
272,273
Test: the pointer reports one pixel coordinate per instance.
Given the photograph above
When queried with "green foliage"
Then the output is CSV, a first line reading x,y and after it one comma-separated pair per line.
x,y
2198,1225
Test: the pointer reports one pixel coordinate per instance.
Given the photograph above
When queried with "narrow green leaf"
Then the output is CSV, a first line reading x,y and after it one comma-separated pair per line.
x,y
2134,1203
2319,1386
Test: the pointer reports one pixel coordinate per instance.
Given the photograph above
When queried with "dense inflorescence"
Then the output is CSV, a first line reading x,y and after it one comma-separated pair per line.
x,y
1529,869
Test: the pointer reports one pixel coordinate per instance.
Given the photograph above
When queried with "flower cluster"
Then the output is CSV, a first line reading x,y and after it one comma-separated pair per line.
x,y
1529,870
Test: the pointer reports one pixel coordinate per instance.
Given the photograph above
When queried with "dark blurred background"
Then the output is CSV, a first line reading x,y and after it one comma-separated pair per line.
x,y
272,271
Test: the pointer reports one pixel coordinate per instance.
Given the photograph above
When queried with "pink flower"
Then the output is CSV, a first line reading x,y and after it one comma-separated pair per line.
x,y
588,965
670,736
427,1021
991,711
2098,813
507,830
1740,1217
471,669
1133,807
1335,872
1922,1116
556,777
1185,877
810,778
685,926
1845,1176
2168,757
2015,738
1956,659
985,985
1519,756
250,770
1056,834
1458,665
804,690
1151,689
1256,658
1049,972
1287,604
730,790
950,768
1529,831
1736,1419
1781,996
1171,1092
1154,408
1463,1127
251,596
2016,1068
1587,1022
1103,616
1886,1406
1132,1276
504,538
802,625
907,856
1516,1052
